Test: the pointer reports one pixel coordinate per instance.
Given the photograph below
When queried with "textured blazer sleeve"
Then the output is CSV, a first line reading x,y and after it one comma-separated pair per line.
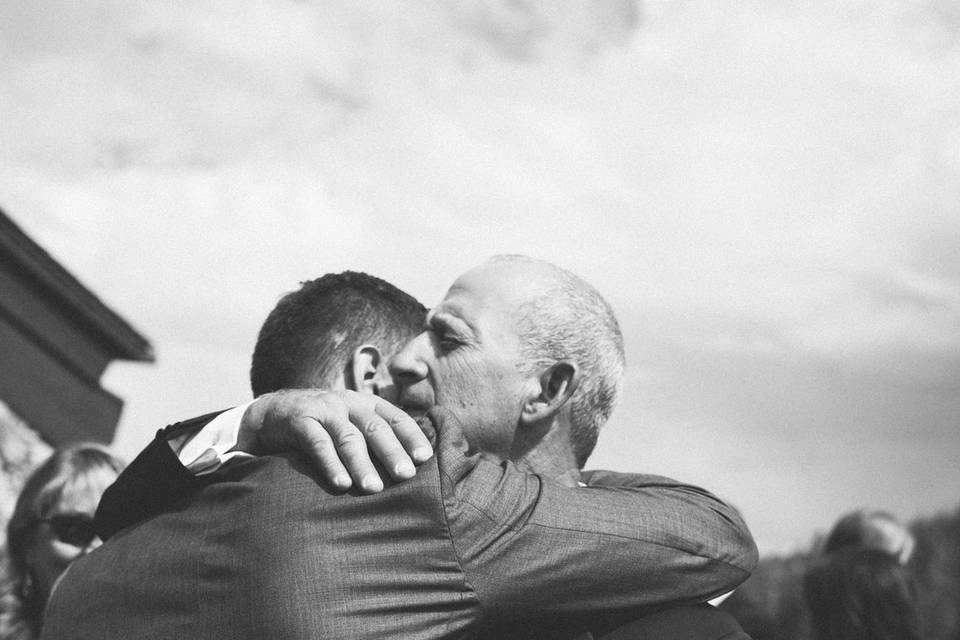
x,y
151,484
533,547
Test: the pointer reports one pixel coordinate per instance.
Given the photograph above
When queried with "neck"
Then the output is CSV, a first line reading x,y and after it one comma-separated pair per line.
x,y
549,455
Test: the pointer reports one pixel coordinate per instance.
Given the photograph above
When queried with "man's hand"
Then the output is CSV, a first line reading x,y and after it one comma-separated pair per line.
x,y
337,429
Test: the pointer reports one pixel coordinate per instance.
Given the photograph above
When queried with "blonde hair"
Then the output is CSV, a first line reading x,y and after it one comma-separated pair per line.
x,y
21,606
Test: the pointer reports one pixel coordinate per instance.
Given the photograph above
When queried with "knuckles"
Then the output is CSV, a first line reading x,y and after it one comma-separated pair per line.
x,y
350,439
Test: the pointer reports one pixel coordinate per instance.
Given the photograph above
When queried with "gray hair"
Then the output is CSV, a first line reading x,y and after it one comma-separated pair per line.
x,y
569,319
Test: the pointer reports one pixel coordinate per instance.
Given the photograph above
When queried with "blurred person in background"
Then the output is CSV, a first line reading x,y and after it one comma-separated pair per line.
x,y
861,593
51,526
874,530
860,587
771,604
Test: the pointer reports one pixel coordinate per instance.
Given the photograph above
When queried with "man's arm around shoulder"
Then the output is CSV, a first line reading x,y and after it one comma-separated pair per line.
x,y
530,546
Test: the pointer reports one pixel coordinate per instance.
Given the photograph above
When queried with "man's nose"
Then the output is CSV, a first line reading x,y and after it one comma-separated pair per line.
x,y
407,367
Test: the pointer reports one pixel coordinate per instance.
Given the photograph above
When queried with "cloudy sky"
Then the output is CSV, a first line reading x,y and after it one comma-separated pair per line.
x,y
767,192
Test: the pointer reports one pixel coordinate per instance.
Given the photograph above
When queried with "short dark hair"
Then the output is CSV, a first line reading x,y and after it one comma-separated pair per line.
x,y
309,337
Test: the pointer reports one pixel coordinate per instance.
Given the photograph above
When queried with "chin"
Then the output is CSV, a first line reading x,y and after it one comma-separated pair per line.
x,y
426,425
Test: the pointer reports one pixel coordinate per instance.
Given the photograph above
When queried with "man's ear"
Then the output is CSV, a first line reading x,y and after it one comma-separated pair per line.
x,y
550,392
363,369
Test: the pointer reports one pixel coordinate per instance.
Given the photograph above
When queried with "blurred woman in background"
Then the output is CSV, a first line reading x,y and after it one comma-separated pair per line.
x,y
861,593
860,587
51,525
871,529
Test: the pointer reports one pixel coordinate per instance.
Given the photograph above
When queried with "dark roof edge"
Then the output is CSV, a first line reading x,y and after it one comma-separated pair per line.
x,y
67,291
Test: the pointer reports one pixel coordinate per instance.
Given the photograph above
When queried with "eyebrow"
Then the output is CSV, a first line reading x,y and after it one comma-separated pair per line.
x,y
446,320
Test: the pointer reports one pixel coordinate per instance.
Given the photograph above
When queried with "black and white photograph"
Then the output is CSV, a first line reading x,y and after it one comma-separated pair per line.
x,y
480,319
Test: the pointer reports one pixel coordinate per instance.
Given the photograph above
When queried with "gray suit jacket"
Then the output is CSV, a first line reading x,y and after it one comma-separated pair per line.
x,y
470,542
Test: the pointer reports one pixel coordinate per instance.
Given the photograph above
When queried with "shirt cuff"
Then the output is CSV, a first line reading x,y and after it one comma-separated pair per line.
x,y
205,451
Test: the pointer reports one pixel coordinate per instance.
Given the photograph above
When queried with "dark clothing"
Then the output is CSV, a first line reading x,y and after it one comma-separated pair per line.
x,y
153,483
703,622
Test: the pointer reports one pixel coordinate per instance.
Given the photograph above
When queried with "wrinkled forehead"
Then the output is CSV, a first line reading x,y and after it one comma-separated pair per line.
x,y
483,305
490,288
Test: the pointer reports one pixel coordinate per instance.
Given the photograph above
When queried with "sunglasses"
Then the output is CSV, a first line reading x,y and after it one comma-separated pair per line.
x,y
72,528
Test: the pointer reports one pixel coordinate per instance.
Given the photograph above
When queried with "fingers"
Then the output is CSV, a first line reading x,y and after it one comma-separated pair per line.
x,y
389,434
316,423
349,446
313,439
342,432
415,443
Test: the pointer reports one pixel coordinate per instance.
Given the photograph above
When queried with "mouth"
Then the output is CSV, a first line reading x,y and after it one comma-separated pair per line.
x,y
418,411
415,400
414,410
426,425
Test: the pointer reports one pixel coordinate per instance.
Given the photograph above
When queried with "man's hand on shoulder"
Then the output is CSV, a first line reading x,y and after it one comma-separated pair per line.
x,y
338,430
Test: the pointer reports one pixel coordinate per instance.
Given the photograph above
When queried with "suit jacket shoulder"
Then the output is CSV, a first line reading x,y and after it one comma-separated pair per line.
x,y
267,551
